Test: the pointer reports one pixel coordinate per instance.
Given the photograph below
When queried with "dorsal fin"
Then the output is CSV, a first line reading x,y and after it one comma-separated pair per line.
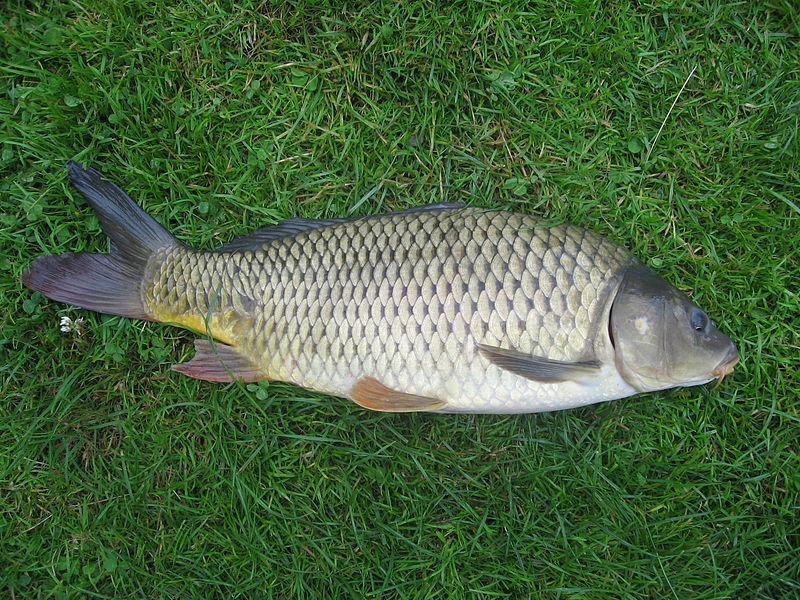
x,y
256,239
425,208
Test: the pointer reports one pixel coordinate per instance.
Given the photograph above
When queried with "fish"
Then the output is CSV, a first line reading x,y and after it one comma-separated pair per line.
x,y
443,308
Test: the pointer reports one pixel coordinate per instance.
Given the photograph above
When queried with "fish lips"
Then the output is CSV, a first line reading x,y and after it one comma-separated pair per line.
x,y
723,369
726,365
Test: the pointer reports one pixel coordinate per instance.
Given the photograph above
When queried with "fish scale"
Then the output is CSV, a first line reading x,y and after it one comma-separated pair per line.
x,y
402,298
444,307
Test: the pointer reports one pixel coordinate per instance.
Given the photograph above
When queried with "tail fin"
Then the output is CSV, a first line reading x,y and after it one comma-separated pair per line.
x,y
107,283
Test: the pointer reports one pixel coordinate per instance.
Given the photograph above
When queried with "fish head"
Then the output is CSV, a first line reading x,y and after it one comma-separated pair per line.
x,y
662,339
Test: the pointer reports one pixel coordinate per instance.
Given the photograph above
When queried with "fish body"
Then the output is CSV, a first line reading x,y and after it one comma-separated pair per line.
x,y
406,299
443,308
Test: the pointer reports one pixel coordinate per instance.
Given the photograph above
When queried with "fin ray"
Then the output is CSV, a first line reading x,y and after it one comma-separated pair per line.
x,y
539,369
104,283
107,283
257,238
219,362
370,393
130,229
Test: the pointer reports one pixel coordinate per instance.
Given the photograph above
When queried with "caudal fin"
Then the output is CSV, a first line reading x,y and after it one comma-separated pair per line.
x,y
107,283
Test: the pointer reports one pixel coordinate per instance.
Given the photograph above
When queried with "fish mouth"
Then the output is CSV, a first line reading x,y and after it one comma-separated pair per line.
x,y
726,365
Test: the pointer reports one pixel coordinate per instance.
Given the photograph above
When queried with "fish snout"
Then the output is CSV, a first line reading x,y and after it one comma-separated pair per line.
x,y
726,365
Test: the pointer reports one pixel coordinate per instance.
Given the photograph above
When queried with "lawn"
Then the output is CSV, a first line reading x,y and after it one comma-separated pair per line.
x,y
670,127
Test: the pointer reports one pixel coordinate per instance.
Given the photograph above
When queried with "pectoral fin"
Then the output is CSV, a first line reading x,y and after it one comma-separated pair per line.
x,y
539,369
372,394
219,362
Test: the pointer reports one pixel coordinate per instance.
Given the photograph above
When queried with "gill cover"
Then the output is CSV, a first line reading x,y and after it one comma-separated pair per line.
x,y
661,338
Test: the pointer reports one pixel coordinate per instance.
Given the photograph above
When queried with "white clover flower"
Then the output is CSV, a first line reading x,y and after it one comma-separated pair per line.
x,y
68,325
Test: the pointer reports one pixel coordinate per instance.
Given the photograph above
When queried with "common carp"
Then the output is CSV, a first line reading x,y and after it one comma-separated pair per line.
x,y
445,307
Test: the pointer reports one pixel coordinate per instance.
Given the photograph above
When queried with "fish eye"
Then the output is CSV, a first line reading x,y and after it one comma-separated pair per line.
x,y
698,320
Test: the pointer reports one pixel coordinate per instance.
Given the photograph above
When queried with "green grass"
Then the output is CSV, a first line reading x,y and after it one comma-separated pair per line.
x,y
121,479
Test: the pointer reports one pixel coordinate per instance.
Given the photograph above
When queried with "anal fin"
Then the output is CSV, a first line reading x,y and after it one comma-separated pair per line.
x,y
219,362
372,394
